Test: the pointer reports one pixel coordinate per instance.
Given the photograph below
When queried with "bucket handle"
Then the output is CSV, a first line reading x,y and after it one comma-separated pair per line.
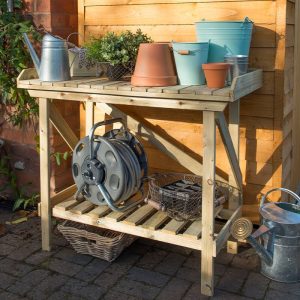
x,y
68,37
294,195
186,52
246,20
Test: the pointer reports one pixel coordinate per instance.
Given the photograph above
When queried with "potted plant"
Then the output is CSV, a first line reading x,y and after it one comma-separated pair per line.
x,y
118,51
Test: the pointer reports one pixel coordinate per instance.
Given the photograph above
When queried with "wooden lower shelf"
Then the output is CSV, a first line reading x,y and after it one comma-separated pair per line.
x,y
143,221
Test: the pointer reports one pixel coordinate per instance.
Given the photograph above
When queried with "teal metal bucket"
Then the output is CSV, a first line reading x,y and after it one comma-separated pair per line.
x,y
226,38
189,58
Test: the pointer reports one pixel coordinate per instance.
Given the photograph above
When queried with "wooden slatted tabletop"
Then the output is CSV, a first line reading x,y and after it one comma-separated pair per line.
x,y
102,86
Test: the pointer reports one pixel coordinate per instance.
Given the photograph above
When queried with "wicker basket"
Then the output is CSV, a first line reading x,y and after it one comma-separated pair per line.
x,y
98,242
180,195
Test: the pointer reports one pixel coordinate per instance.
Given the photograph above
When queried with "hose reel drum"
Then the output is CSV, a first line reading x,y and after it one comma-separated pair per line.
x,y
109,169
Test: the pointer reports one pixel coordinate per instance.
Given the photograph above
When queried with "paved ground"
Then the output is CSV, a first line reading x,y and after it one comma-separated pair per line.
x,y
146,270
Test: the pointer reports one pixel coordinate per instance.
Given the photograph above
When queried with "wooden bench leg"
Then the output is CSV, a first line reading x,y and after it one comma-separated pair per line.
x,y
208,195
234,129
46,212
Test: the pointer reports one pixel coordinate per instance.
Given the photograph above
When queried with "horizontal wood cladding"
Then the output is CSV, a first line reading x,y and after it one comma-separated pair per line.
x,y
180,13
142,2
258,106
253,172
263,35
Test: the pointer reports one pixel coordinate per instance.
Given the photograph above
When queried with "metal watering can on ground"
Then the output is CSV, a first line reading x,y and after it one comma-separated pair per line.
x,y
279,234
54,63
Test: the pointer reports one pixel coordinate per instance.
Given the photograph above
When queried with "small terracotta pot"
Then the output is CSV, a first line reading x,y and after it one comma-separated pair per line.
x,y
154,66
215,74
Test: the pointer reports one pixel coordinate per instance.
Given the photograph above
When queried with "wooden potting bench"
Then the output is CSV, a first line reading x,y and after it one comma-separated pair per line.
x,y
144,220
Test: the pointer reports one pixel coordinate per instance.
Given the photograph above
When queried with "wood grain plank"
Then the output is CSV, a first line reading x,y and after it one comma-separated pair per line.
x,y
263,36
75,83
102,84
46,209
174,227
194,230
140,2
139,215
208,196
117,216
63,195
126,87
87,85
230,149
156,220
62,127
99,211
222,92
174,89
115,86
82,207
183,13
67,204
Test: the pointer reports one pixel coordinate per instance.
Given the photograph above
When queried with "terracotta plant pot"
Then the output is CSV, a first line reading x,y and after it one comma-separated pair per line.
x,y
154,66
215,74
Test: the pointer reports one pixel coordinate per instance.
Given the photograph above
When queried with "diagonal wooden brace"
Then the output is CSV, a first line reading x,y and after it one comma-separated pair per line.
x,y
226,138
62,127
155,139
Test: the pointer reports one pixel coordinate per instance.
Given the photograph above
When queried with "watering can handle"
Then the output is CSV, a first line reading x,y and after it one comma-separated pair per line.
x,y
294,195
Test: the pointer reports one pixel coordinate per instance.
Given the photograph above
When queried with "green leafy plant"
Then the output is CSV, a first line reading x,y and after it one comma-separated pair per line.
x,y
59,156
19,194
116,49
14,58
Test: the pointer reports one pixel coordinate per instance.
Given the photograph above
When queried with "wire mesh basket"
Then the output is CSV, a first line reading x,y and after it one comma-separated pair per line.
x,y
95,241
112,72
180,195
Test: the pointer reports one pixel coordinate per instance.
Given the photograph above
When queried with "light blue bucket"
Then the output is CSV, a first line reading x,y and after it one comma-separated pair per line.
x,y
189,58
226,38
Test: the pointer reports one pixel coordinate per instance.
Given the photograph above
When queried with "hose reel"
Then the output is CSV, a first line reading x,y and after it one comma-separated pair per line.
x,y
109,169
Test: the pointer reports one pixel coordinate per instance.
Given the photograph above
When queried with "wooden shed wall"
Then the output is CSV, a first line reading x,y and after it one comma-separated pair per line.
x,y
288,103
295,171
261,133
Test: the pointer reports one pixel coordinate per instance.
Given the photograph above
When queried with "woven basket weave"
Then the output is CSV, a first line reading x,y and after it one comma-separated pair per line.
x,y
98,242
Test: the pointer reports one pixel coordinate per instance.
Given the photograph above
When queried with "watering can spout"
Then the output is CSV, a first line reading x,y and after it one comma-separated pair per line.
x,y
32,52
242,229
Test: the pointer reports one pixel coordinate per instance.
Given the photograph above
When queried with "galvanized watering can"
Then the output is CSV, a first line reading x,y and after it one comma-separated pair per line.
x,y
279,235
54,63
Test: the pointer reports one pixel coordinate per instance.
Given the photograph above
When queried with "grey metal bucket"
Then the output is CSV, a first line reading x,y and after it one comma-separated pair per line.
x,y
279,234
238,66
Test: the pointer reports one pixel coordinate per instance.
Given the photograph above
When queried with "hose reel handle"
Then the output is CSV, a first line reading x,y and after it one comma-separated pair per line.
x,y
109,201
97,125
294,195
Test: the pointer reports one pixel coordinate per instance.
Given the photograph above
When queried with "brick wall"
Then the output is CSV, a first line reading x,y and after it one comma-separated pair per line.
x,y
60,18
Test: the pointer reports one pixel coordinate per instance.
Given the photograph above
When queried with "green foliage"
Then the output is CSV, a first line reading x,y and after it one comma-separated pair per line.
x,y
14,58
59,156
21,199
116,49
